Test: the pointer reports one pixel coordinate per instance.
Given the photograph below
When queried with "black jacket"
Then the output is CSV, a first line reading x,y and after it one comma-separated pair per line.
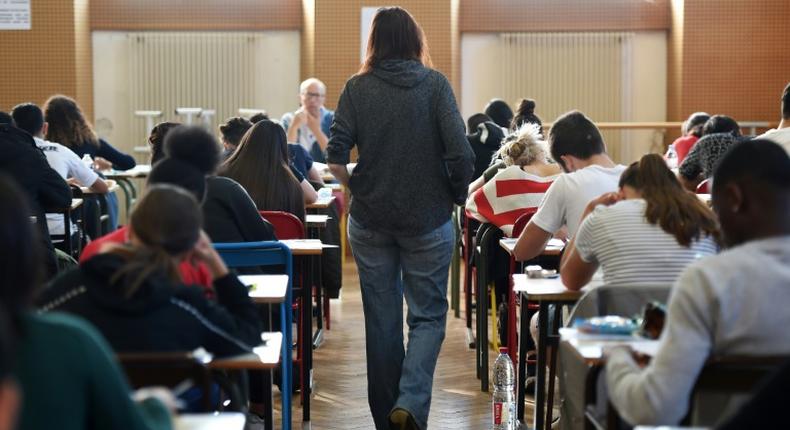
x,y
230,215
45,189
485,142
414,159
160,316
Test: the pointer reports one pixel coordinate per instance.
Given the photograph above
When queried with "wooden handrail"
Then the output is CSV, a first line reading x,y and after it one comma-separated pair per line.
x,y
752,125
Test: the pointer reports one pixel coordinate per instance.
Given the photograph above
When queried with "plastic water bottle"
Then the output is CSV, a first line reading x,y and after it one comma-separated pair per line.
x,y
504,398
87,161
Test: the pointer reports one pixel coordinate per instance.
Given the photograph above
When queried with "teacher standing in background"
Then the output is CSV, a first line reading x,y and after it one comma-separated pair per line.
x,y
414,163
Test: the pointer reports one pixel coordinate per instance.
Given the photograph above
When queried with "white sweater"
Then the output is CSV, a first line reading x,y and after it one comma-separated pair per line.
x,y
734,303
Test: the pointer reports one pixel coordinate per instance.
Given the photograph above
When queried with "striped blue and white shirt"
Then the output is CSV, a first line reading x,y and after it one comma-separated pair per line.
x,y
633,252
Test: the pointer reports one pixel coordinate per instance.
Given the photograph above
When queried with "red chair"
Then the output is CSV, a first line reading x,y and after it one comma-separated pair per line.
x,y
288,226
704,187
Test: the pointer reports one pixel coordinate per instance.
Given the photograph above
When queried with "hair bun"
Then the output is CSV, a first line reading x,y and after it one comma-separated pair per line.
x,y
526,107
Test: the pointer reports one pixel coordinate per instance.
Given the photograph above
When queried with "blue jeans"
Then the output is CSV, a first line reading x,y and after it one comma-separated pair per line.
x,y
391,267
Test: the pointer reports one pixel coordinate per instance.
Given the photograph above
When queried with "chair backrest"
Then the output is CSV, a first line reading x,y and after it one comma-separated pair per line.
x,y
522,221
725,382
625,301
286,225
251,254
704,187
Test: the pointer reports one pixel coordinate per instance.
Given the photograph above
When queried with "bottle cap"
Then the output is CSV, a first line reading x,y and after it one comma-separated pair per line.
x,y
503,350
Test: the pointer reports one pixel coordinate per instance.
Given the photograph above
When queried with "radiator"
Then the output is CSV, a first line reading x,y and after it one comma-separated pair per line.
x,y
209,70
590,72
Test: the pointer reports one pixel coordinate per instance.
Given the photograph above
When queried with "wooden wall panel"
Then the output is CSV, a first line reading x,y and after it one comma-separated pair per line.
x,y
196,14
562,15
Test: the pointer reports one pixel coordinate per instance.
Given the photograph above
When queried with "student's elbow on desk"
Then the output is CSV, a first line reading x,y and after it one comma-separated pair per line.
x,y
99,187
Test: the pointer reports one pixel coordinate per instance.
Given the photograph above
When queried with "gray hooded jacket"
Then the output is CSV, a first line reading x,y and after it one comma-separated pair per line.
x,y
414,159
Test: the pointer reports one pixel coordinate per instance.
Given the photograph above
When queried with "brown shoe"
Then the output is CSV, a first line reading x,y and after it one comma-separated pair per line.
x,y
401,419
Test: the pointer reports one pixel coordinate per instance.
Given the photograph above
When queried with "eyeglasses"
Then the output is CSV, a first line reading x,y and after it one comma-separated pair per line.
x,y
313,95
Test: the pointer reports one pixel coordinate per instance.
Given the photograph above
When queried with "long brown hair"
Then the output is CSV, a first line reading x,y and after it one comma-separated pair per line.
x,y
677,211
167,222
67,124
260,165
394,34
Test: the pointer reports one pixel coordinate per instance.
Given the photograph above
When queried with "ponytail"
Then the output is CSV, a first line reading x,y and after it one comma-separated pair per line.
x,y
525,114
142,263
166,222
677,211
522,147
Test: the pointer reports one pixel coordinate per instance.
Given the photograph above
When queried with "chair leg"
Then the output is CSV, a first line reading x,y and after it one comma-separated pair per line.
x,y
494,321
328,320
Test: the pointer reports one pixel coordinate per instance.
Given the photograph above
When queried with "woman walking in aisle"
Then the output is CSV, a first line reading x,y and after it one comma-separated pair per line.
x,y
414,163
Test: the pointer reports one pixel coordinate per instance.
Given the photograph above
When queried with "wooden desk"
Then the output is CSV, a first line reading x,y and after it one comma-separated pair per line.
x,y
138,171
545,292
266,289
112,187
590,347
215,421
321,203
316,221
262,357
302,247
554,247
334,186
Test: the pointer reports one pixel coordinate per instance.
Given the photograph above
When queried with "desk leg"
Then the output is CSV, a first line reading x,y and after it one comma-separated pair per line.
x,y
482,317
268,412
540,386
512,336
287,356
127,196
307,336
553,365
522,357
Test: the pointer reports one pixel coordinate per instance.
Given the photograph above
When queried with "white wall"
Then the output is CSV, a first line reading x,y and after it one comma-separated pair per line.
x,y
648,93
271,84
645,57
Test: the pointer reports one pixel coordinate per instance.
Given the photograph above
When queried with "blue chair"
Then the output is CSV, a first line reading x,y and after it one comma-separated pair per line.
x,y
271,253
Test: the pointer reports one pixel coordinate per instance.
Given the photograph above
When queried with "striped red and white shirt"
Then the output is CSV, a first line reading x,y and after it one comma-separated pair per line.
x,y
507,196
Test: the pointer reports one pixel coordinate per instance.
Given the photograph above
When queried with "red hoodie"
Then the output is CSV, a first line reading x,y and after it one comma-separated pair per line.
x,y
190,274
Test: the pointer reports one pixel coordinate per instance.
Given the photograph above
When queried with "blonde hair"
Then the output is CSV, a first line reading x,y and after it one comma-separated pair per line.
x,y
522,147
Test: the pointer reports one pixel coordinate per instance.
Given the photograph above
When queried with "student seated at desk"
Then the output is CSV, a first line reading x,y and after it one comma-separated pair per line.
x,y
43,187
231,132
69,127
260,165
645,234
63,366
134,295
718,134
723,305
30,118
228,212
298,156
578,147
519,186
